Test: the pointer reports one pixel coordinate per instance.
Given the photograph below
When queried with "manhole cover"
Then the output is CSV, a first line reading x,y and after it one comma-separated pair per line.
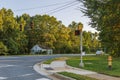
x,y
49,68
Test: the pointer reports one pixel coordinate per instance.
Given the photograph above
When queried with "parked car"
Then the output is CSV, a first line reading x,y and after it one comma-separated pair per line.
x,y
99,52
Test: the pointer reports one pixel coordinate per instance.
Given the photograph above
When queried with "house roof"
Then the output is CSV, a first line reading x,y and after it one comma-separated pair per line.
x,y
36,47
42,47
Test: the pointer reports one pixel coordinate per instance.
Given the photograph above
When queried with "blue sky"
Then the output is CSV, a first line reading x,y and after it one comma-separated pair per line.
x,y
64,10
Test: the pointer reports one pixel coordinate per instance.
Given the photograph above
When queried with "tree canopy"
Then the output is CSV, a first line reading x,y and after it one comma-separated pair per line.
x,y
19,34
105,17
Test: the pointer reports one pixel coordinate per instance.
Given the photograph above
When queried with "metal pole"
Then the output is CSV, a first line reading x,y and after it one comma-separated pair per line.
x,y
81,48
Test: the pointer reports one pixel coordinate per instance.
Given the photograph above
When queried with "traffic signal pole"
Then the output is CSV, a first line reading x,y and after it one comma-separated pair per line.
x,y
81,49
79,32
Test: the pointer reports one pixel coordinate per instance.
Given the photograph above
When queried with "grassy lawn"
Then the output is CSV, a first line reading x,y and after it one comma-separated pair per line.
x,y
97,63
76,76
55,59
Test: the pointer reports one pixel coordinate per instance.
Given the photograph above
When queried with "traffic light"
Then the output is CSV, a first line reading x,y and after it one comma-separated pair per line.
x,y
31,25
77,32
20,27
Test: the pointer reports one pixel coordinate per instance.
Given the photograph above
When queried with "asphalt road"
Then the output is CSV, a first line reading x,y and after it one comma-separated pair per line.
x,y
21,67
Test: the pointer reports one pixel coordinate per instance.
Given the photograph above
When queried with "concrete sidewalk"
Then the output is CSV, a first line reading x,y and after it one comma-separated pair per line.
x,y
60,66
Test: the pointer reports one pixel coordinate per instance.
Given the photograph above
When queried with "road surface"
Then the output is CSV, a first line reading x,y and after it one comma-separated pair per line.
x,y
21,67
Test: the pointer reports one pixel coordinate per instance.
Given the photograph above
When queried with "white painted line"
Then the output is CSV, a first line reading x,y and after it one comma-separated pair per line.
x,y
26,75
43,79
5,65
30,66
1,78
8,57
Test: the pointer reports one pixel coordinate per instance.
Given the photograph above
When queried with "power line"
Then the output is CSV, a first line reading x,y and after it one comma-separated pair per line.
x,y
42,6
61,8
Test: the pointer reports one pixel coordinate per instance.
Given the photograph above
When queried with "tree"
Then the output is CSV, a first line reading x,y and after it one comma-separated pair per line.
x,y
105,19
74,40
3,49
62,39
10,33
43,33
1,21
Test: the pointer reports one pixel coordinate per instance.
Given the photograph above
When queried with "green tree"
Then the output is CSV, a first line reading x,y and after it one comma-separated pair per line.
x,y
10,33
62,39
106,19
43,32
74,40
1,21
3,49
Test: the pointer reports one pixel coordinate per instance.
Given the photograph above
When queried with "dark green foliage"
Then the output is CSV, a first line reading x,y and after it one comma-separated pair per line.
x,y
106,19
3,49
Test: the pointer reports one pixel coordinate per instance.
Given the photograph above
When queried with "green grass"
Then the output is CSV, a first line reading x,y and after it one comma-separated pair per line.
x,y
54,59
97,63
76,76
49,61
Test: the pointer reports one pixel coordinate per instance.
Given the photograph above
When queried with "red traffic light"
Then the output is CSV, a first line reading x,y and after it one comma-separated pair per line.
x,y
77,32
20,27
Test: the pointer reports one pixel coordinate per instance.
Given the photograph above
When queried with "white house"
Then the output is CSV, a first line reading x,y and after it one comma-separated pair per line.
x,y
38,49
35,49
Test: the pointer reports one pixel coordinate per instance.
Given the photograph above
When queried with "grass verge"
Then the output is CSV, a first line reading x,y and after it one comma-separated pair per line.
x,y
98,64
76,76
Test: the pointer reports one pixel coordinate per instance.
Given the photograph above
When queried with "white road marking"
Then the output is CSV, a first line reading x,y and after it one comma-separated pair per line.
x,y
1,78
30,66
10,60
43,79
26,75
5,65
8,57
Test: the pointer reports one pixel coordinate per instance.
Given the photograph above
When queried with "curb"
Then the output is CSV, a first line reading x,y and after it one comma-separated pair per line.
x,y
51,75
62,77
92,72
36,67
